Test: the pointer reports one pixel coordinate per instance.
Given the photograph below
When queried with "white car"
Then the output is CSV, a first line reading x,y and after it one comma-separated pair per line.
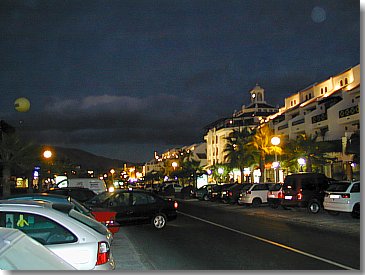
x,y
20,252
254,195
177,186
78,239
343,197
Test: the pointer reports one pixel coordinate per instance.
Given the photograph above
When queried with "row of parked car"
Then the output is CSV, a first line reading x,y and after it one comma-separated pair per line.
x,y
311,190
76,235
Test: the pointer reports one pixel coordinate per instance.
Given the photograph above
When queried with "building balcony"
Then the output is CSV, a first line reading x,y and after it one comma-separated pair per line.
x,y
349,115
319,118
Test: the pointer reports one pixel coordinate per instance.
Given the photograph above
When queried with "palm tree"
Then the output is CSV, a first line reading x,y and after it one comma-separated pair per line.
x,y
14,153
261,141
237,153
307,147
190,168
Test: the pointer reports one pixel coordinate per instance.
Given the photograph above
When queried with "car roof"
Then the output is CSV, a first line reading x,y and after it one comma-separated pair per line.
x,y
38,195
65,208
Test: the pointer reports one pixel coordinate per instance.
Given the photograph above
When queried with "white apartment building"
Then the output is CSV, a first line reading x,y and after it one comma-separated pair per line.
x,y
328,110
172,158
249,116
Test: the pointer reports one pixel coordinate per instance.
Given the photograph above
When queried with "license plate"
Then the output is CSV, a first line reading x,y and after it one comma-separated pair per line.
x,y
334,196
288,197
271,196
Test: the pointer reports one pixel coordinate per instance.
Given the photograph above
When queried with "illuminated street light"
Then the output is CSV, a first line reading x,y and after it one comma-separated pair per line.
x,y
301,162
174,165
47,154
276,141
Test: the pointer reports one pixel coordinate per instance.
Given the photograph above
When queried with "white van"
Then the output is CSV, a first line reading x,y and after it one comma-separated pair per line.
x,y
96,185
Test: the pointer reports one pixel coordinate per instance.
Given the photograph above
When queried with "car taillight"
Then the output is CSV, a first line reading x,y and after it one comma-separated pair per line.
x,y
345,196
230,193
280,195
299,196
176,205
103,253
248,192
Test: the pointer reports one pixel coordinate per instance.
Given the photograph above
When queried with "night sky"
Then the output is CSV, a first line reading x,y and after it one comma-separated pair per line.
x,y
125,78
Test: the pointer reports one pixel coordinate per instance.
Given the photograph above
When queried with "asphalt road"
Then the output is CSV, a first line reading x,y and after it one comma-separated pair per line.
x,y
213,236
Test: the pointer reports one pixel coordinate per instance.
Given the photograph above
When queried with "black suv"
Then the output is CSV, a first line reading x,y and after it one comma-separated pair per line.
x,y
305,190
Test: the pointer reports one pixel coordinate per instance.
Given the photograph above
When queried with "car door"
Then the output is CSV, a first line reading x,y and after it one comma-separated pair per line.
x,y
144,206
120,203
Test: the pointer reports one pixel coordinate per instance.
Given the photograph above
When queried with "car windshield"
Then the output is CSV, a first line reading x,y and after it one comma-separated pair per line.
x,y
102,197
339,186
275,187
95,225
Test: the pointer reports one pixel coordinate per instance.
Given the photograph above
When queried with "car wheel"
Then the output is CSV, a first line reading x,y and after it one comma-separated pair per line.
x,y
205,198
256,202
314,207
356,211
333,213
159,221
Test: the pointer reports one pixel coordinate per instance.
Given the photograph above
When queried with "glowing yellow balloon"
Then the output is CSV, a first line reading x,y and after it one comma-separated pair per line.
x,y
22,104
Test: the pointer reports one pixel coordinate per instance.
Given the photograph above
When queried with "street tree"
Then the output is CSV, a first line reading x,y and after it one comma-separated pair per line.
x,y
15,153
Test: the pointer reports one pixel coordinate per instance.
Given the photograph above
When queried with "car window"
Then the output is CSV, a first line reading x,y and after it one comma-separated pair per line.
x,y
101,198
308,184
339,187
355,188
42,229
139,199
120,199
260,187
275,187
290,183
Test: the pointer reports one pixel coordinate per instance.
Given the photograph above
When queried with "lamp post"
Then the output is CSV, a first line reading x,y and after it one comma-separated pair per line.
x,y
47,155
301,162
276,141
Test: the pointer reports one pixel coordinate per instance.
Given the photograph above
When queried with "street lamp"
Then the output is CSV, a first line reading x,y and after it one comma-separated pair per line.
x,y
301,162
276,141
47,155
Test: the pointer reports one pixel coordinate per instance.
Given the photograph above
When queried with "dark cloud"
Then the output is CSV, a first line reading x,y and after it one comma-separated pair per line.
x,y
124,78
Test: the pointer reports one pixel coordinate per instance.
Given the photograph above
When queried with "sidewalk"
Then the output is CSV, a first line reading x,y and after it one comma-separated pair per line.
x,y
125,255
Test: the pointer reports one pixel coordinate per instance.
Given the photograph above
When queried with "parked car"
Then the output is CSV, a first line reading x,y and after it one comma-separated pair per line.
x,y
187,191
80,194
305,190
232,194
217,190
78,239
175,185
275,195
105,216
136,206
18,251
202,193
254,195
343,196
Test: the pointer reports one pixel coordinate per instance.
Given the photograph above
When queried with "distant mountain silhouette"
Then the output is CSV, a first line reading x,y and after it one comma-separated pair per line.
x,y
88,160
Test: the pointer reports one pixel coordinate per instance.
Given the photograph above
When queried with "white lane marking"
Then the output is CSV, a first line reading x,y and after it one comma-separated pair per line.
x,y
272,242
